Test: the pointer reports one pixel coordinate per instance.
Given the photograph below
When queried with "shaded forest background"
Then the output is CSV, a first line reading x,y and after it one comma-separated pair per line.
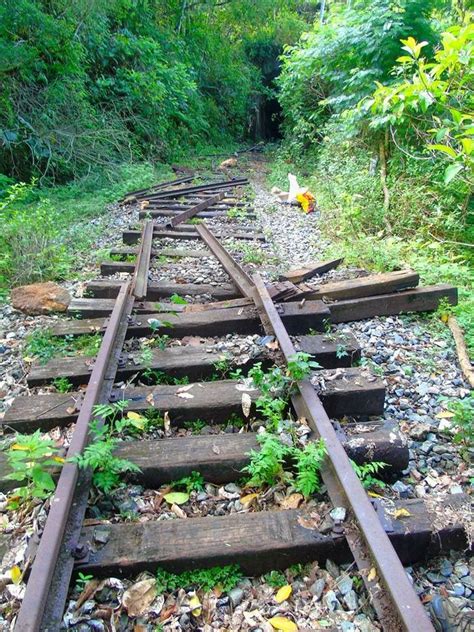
x,y
371,102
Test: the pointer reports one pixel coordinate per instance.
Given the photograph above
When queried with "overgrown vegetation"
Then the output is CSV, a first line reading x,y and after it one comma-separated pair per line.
x,y
43,345
276,461
224,577
98,456
31,458
378,115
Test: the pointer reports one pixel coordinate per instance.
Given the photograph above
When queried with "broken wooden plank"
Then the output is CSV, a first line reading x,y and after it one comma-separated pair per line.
x,y
309,270
350,394
109,288
371,285
331,350
259,541
96,307
298,319
423,299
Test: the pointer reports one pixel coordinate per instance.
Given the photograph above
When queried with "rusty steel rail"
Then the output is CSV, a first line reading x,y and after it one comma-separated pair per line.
x,y
156,187
398,605
39,587
194,210
140,277
213,186
238,275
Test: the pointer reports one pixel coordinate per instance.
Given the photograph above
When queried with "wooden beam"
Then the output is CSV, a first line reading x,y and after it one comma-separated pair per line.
x,y
423,299
195,362
258,542
365,286
109,288
309,270
215,402
221,457
298,319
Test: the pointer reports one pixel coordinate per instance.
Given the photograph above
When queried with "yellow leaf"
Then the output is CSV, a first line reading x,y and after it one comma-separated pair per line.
x,y
195,605
375,495
283,624
401,513
19,446
27,359
16,574
136,416
445,414
246,500
283,593
58,459
445,318
372,574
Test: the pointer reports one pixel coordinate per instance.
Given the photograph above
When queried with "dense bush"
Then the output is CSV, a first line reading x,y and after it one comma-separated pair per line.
x,y
87,84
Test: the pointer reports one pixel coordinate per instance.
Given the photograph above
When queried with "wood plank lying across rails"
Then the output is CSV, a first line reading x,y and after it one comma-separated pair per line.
x,y
298,319
423,299
132,236
366,286
165,252
351,394
95,307
258,542
197,362
105,288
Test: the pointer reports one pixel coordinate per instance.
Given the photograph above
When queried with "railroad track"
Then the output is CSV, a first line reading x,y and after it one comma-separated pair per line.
x,y
122,307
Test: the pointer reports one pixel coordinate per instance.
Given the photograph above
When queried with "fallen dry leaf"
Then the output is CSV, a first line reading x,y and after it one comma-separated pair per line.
x,y
178,511
283,624
139,596
246,404
195,605
401,513
248,499
150,400
183,389
167,423
372,574
283,593
293,501
185,395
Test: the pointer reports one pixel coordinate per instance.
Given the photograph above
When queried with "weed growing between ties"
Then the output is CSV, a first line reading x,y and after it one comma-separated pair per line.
x,y
32,459
224,577
44,346
99,456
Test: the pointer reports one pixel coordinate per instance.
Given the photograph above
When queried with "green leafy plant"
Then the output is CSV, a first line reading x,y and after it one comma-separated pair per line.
x,y
237,212
62,384
98,456
275,579
277,461
82,580
278,384
192,483
42,344
463,419
224,577
252,255
366,472
178,300
32,459
195,425
341,351
308,463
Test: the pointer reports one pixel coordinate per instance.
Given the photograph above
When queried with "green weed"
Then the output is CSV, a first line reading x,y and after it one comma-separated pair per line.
x,y
62,384
224,577
275,579
31,458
